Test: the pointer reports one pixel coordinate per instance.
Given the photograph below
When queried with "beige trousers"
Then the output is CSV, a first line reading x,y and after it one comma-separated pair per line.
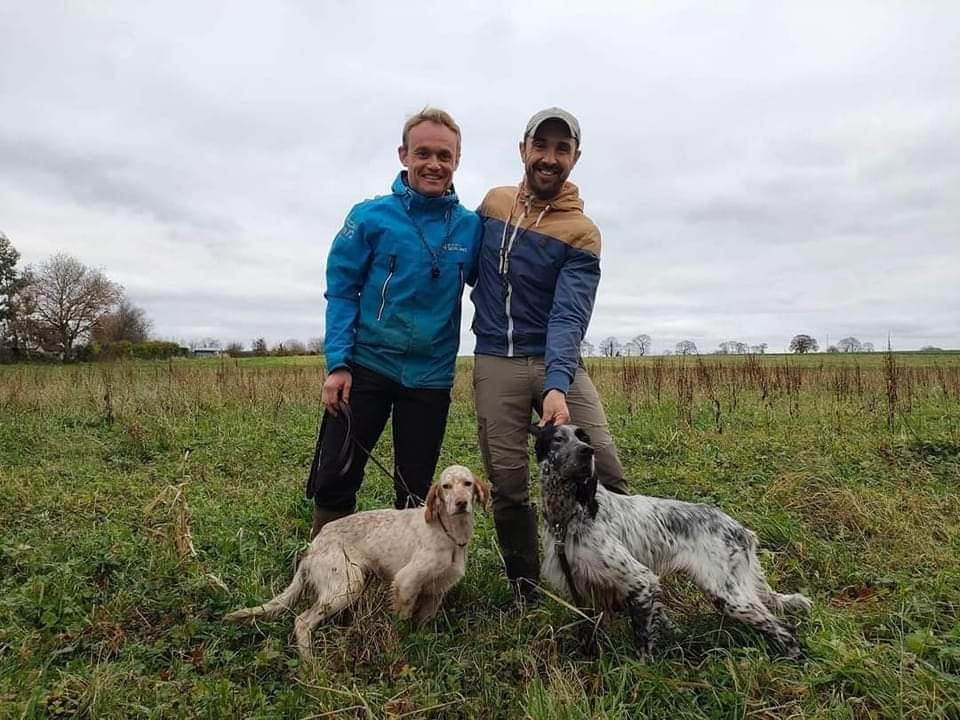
x,y
507,391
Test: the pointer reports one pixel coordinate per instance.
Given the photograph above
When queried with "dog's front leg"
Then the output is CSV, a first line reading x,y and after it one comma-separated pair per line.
x,y
406,588
426,607
640,605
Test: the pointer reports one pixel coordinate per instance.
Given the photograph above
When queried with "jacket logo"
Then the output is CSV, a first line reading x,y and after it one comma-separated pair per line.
x,y
453,247
348,229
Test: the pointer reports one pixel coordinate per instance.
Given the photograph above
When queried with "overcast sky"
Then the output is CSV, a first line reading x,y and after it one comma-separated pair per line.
x,y
756,169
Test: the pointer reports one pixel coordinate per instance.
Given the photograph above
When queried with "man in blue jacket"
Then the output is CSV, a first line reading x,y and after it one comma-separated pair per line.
x,y
539,266
395,277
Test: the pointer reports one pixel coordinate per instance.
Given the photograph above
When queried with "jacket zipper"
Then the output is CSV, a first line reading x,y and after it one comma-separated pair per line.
x,y
506,302
391,268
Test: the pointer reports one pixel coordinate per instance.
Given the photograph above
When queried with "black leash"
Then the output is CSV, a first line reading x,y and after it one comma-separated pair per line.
x,y
345,454
560,535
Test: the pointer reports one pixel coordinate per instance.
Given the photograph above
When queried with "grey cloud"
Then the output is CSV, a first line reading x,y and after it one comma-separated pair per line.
x,y
105,179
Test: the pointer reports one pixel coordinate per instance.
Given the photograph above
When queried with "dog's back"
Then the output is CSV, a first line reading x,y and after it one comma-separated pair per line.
x,y
380,541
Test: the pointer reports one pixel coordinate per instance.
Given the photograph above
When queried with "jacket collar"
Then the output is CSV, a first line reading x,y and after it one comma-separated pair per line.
x,y
567,199
412,200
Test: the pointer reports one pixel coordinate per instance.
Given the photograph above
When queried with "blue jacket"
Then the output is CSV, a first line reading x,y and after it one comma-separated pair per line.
x,y
385,309
538,271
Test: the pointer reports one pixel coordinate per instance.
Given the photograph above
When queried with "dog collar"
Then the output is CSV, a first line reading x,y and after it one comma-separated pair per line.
x,y
447,533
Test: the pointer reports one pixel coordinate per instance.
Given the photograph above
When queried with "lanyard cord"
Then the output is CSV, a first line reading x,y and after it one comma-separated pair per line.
x,y
434,254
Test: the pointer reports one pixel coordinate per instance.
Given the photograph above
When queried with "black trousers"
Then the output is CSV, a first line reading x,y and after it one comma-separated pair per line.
x,y
419,421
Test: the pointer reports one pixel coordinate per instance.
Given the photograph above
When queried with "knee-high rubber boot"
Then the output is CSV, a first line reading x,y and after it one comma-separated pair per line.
x,y
517,534
321,517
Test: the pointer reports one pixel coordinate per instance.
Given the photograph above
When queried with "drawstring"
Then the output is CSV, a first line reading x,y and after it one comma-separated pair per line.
x,y
507,247
540,216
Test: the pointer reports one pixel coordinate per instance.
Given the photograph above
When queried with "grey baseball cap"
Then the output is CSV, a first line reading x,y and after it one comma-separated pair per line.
x,y
550,113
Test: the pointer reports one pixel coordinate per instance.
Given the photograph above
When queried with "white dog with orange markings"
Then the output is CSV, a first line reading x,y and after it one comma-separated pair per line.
x,y
421,552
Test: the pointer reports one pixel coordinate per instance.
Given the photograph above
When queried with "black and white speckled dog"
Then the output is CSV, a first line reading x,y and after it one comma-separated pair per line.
x,y
616,547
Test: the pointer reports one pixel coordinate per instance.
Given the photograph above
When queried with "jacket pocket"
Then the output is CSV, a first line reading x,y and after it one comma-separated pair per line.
x,y
391,268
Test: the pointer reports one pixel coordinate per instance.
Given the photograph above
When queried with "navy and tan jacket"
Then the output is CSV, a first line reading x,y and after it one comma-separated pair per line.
x,y
538,271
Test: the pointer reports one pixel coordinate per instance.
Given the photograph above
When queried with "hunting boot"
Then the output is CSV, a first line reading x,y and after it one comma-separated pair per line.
x,y
321,517
517,534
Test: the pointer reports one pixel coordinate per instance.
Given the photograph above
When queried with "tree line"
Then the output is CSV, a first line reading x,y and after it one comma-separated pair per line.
x,y
642,345
62,309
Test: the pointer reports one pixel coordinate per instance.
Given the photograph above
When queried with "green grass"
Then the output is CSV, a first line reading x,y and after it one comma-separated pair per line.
x,y
846,467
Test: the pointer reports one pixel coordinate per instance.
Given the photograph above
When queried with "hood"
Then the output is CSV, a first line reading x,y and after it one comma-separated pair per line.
x,y
413,200
568,199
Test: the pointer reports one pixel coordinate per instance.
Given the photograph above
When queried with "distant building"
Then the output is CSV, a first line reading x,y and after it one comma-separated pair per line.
x,y
207,352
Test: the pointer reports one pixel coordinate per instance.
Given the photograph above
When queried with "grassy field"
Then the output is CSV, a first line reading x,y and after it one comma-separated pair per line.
x,y
140,502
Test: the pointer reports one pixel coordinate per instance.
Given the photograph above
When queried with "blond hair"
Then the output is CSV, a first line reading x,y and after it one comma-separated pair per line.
x,y
434,115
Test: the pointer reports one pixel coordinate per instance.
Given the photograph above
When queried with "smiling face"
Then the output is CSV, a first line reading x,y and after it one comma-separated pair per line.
x,y
548,157
430,155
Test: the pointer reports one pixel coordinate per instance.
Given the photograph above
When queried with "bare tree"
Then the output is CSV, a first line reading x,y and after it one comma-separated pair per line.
x,y
733,347
586,348
234,349
685,347
802,344
62,301
610,347
315,346
641,344
759,349
849,344
867,347
259,346
127,322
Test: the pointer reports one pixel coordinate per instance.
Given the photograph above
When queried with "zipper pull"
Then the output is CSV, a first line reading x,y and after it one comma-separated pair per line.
x,y
393,263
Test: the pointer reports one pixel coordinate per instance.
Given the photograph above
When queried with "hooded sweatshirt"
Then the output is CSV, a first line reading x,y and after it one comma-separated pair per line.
x,y
538,271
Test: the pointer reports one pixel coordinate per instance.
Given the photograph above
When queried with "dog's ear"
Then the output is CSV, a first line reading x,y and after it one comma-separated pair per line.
x,y
482,491
586,493
534,430
582,435
430,505
542,446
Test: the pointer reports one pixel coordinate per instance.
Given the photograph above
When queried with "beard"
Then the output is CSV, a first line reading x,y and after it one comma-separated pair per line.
x,y
544,188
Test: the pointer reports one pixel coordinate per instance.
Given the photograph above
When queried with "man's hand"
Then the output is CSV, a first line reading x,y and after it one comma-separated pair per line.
x,y
337,388
555,409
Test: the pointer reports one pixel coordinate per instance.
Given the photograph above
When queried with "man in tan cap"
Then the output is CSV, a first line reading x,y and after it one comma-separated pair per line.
x,y
538,271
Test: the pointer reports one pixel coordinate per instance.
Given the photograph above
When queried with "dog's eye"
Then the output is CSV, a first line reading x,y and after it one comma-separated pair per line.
x,y
467,483
447,486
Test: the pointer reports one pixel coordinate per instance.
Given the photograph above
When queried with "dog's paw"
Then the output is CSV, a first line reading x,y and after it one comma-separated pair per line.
x,y
588,640
790,650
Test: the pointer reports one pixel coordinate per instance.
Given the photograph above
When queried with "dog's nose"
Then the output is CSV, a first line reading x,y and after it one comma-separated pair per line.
x,y
461,505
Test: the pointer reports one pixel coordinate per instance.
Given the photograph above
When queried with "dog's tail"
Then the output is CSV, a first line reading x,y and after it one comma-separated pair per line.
x,y
284,601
